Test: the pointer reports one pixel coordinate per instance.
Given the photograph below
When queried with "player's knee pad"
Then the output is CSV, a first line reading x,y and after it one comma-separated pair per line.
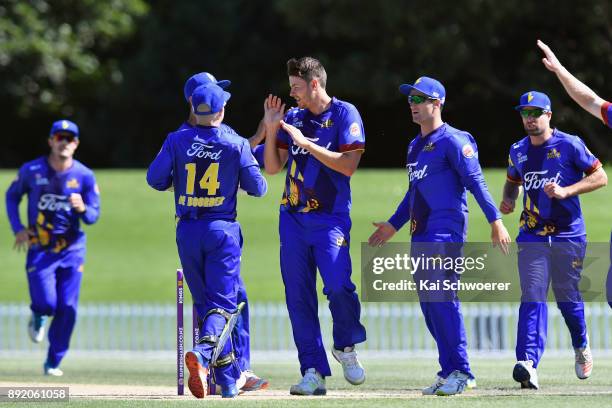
x,y
225,360
209,337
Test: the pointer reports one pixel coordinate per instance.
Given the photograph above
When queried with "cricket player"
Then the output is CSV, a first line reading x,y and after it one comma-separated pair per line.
x,y
203,78
549,164
590,102
442,162
242,345
62,193
206,164
321,141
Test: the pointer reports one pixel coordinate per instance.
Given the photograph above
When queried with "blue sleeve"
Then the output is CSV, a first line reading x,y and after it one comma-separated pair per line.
x,y
352,135
584,160
512,173
402,214
159,175
258,153
250,177
462,154
91,198
15,192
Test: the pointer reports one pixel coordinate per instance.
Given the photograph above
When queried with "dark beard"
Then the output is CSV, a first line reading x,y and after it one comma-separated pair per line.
x,y
534,132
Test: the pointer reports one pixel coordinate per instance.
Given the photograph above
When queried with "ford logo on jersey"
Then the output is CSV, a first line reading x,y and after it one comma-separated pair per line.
x,y
198,149
295,150
414,173
534,179
53,202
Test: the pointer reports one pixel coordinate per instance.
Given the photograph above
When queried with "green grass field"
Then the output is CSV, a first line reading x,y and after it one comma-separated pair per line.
x,y
394,382
132,253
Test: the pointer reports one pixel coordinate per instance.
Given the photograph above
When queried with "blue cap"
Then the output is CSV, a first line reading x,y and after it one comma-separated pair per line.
x,y
534,99
429,86
201,79
208,99
64,126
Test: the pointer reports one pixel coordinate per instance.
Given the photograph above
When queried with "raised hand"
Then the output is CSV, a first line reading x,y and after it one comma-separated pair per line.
x,y
274,110
550,61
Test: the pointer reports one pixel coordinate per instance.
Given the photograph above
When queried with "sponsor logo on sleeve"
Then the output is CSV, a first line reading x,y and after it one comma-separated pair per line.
x,y
354,129
468,151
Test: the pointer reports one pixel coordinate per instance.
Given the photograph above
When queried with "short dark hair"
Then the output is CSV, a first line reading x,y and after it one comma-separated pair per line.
x,y
307,68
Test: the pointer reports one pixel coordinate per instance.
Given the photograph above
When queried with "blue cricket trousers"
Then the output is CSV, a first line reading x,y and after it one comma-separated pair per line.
x,y
311,241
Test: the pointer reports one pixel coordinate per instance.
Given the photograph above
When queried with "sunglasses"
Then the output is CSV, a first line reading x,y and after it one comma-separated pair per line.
x,y
533,113
418,99
64,137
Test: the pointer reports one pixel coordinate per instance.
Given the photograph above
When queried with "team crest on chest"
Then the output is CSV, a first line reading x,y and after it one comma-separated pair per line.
x,y
553,154
72,183
429,147
327,124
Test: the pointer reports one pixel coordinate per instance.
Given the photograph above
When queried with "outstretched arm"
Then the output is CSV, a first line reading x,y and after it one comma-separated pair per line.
x,y
578,91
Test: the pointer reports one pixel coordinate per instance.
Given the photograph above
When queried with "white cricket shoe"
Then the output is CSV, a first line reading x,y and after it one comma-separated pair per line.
x,y
353,370
312,384
455,384
526,374
584,362
55,372
36,327
431,390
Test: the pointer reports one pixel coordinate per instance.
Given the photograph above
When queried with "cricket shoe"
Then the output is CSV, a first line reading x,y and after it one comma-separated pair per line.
x,y
198,374
253,382
52,371
584,362
215,389
454,384
36,327
312,384
353,370
229,391
431,390
525,373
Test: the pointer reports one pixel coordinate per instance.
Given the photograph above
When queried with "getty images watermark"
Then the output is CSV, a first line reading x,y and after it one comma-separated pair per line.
x,y
477,272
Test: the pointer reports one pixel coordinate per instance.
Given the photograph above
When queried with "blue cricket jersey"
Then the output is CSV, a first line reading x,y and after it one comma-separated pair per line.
x,y
310,185
441,166
56,225
206,165
258,151
562,159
